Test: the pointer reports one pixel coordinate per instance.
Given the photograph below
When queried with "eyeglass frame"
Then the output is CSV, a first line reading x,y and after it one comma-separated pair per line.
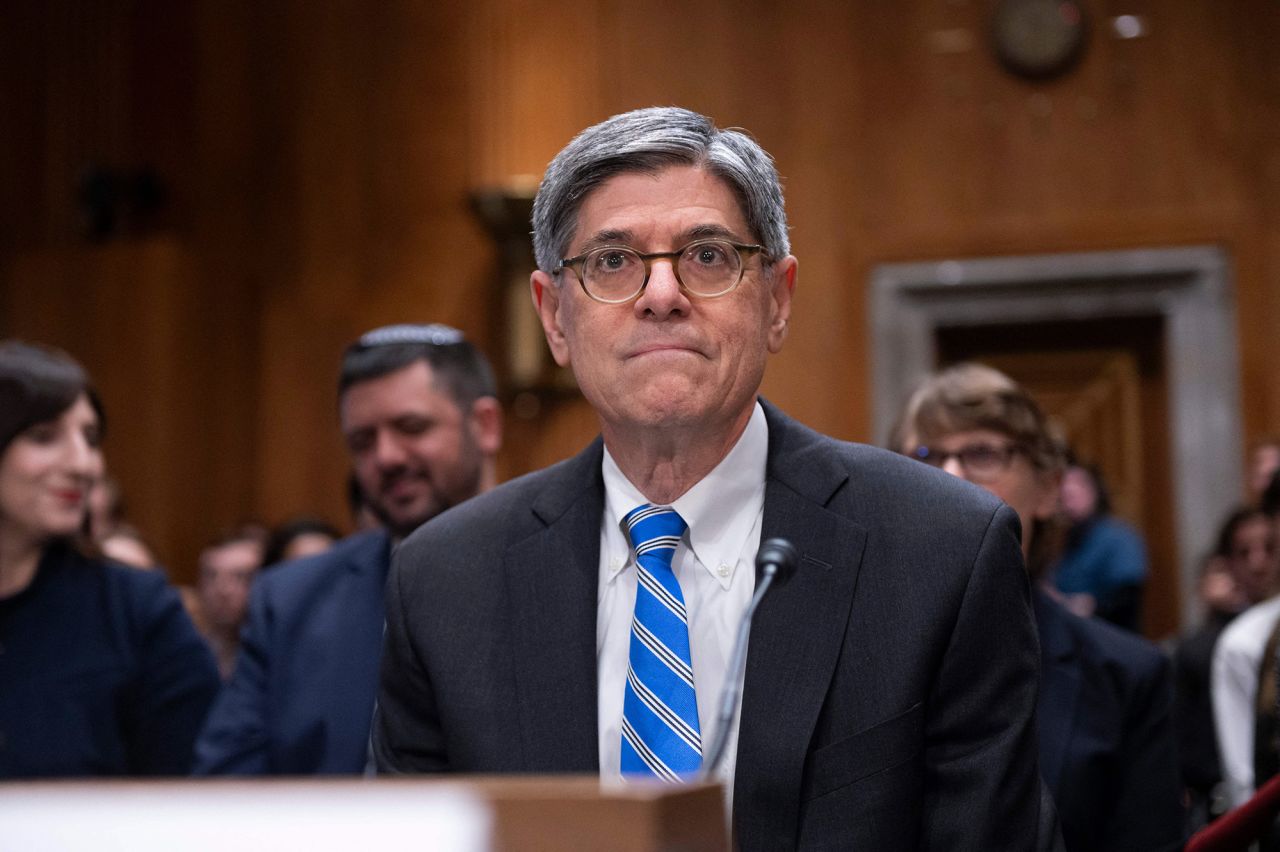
x,y
577,263
1006,453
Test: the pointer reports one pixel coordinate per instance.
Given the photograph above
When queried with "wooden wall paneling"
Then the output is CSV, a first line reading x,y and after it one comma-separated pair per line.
x,y
21,144
375,227
310,252
813,84
1255,30
533,72
117,311
321,160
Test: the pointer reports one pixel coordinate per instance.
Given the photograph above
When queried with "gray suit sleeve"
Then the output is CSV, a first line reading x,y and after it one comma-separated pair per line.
x,y
983,785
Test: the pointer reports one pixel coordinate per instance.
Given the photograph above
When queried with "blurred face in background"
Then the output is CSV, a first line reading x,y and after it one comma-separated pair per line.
x,y
1218,588
307,544
1252,559
46,474
997,463
226,575
1263,465
414,452
1079,494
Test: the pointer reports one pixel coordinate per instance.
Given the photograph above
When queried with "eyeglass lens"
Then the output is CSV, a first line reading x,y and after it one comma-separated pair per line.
x,y
975,458
706,268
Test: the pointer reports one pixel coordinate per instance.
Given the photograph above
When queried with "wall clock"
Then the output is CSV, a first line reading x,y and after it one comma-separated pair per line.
x,y
1038,39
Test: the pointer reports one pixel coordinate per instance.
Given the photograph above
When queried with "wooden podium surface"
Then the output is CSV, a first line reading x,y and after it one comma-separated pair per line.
x,y
557,813
465,813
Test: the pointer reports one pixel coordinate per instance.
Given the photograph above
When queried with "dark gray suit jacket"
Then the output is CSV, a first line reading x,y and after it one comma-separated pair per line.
x,y
891,681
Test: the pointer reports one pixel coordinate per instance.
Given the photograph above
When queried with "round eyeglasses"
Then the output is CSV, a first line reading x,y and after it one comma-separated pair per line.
x,y
981,462
616,274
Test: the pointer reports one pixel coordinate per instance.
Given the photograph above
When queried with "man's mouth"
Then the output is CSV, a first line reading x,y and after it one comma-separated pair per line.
x,y
404,486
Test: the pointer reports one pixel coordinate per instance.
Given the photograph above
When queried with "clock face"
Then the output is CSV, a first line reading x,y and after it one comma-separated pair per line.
x,y
1038,38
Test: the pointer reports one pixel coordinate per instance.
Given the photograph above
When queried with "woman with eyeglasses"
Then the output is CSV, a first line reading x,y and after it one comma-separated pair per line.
x,y
1104,720
101,672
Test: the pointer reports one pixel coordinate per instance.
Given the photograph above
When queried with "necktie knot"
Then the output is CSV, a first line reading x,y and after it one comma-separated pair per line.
x,y
654,532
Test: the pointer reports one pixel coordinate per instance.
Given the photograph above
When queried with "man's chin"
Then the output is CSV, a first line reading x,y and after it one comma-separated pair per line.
x,y
401,524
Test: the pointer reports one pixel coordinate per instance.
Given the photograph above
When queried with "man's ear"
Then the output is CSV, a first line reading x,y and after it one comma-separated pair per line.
x,y
546,300
485,424
782,286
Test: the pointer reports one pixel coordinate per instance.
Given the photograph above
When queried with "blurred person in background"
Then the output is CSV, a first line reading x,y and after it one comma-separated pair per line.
x,y
115,536
228,567
1222,600
1103,565
125,545
418,408
298,537
1264,464
1240,650
101,671
1107,749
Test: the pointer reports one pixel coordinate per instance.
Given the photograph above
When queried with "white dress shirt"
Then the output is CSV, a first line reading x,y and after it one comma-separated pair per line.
x,y
1234,689
715,565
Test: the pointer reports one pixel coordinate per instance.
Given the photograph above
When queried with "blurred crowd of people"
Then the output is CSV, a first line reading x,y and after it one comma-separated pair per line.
x,y
108,669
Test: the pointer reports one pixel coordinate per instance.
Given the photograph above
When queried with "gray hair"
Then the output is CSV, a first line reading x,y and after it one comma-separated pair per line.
x,y
647,140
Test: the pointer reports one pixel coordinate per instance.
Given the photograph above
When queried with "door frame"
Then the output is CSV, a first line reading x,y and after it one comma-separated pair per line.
x,y
1189,287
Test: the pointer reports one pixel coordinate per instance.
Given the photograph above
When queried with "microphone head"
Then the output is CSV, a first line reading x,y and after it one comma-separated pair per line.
x,y
778,553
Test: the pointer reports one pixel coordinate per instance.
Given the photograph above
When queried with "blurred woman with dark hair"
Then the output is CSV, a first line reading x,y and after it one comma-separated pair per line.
x,y
101,671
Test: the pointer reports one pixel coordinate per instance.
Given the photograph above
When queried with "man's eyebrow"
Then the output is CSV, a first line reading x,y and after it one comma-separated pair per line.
x,y
702,232
608,237
625,237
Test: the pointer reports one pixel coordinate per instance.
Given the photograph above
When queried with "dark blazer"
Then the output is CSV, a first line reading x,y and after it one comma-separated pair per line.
x,y
891,680
301,698
1108,751
101,673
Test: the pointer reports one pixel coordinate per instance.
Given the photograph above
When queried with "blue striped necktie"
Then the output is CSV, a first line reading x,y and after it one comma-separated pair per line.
x,y
660,736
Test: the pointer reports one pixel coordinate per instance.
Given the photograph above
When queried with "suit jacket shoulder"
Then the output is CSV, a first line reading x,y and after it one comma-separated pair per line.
x,y
891,679
301,696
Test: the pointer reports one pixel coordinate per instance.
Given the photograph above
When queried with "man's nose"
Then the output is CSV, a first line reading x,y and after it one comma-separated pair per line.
x,y
663,295
952,466
387,451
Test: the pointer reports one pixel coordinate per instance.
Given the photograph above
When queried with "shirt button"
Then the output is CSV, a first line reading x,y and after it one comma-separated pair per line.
x,y
723,570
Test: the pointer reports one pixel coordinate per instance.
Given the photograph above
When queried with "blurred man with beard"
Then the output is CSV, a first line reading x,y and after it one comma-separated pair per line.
x,y
422,425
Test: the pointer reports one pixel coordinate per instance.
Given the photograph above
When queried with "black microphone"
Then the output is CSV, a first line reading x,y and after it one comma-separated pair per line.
x,y
776,556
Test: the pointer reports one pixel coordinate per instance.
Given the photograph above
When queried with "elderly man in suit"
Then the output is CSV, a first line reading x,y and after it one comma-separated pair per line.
x,y
580,619
422,424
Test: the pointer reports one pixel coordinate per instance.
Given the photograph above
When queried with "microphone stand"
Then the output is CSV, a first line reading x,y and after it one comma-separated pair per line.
x,y
774,554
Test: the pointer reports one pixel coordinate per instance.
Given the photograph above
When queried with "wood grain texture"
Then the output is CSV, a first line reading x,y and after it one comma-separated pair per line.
x,y
320,157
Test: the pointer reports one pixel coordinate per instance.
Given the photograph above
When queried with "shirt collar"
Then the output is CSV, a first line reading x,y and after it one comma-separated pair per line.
x,y
720,509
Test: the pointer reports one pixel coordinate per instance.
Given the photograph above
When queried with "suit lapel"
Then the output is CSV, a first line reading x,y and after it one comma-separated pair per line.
x,y
799,630
552,580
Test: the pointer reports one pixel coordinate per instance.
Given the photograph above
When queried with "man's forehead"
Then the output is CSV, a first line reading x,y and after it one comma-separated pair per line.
x,y
682,201
232,555
411,389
